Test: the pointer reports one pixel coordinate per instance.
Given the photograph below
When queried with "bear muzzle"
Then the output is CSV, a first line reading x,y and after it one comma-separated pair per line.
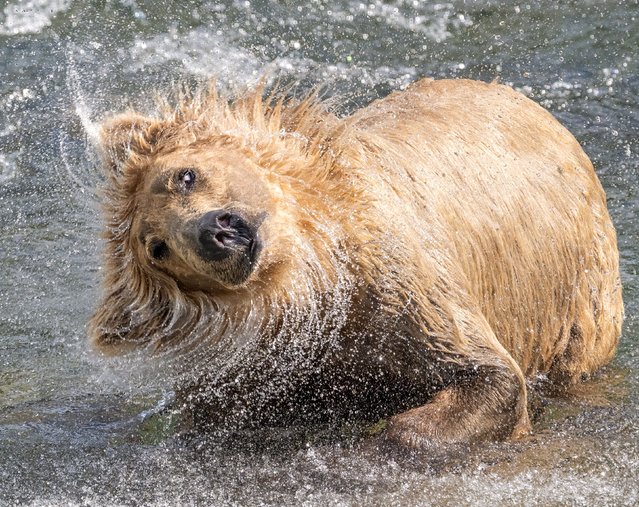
x,y
223,233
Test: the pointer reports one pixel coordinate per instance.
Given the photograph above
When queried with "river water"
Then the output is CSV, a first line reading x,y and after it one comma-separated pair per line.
x,y
78,430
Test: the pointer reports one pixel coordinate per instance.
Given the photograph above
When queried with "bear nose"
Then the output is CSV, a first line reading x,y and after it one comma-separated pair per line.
x,y
222,231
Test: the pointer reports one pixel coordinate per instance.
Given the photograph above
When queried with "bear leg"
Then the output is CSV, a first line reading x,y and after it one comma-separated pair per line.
x,y
489,403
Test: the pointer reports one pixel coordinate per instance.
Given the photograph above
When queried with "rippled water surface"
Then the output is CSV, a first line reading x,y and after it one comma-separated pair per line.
x,y
75,429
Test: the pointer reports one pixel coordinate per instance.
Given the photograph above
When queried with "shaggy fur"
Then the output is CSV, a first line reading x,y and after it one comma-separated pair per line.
x,y
420,257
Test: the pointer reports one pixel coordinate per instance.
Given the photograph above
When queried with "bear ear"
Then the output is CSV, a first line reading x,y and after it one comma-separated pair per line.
x,y
124,135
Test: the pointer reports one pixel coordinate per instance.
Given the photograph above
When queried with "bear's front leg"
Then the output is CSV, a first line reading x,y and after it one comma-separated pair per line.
x,y
489,402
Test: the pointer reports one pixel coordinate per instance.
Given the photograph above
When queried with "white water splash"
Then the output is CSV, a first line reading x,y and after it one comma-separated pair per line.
x,y
31,16
81,168
8,166
82,109
436,21
204,54
200,52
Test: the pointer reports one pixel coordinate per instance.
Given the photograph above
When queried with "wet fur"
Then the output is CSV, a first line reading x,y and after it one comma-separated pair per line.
x,y
423,255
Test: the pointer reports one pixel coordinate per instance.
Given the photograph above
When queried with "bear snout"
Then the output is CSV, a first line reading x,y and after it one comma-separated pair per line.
x,y
221,232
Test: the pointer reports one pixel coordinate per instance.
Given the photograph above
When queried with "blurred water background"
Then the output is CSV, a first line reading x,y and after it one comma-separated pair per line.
x,y
75,430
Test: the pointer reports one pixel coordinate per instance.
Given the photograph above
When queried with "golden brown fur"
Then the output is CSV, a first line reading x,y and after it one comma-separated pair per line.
x,y
423,255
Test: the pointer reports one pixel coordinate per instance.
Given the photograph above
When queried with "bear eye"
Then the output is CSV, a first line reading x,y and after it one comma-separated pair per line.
x,y
158,249
186,179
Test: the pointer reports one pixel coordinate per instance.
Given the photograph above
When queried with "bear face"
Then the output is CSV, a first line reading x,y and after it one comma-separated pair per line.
x,y
202,217
202,208
202,224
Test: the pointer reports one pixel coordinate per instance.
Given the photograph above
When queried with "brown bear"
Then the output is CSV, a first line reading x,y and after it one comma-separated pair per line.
x,y
417,260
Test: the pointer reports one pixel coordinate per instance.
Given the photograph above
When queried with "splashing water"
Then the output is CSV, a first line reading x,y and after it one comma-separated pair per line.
x,y
30,16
